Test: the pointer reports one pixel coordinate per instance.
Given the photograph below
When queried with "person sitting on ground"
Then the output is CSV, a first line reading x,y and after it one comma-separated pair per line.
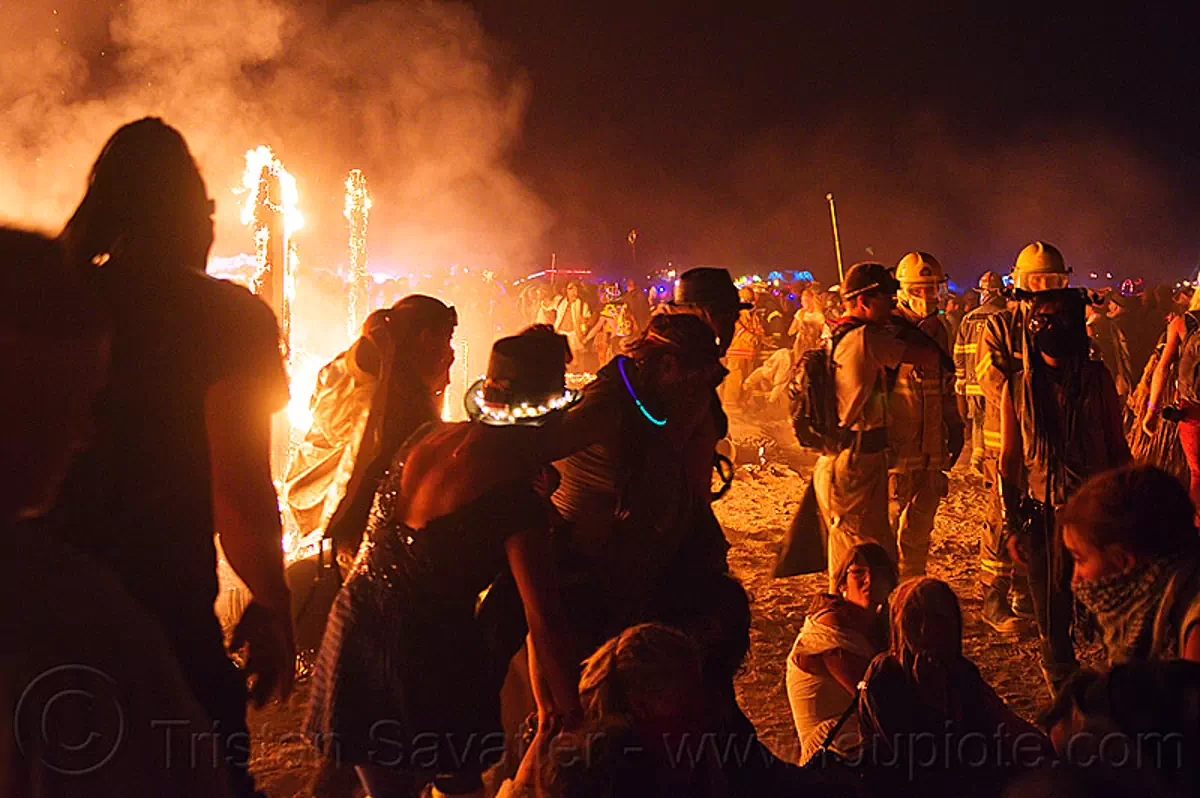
x,y
1136,560
923,692
643,727
92,700
405,672
842,633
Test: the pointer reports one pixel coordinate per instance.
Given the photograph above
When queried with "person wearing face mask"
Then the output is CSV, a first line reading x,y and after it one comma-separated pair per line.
x,y
925,431
842,632
1060,424
1001,347
1132,539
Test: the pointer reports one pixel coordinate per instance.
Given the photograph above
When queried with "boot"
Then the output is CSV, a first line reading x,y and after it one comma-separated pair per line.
x,y
996,611
1021,603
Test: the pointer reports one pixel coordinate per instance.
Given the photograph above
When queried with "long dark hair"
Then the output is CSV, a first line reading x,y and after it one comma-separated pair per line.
x,y
1057,423
146,205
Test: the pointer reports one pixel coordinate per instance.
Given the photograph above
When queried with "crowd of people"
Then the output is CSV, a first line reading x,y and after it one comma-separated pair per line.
x,y
537,601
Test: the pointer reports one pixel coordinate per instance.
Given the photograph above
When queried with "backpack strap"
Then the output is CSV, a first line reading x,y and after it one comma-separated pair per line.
x,y
837,727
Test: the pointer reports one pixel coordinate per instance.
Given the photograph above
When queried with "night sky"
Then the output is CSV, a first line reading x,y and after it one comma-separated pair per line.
x,y
717,132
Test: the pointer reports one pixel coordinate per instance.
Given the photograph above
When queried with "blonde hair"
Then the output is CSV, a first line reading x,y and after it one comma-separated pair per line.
x,y
640,669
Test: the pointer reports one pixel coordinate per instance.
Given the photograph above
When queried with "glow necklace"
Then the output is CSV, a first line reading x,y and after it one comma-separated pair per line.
x,y
621,368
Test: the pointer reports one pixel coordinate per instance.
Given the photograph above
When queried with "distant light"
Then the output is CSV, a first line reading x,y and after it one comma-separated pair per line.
x,y
1109,275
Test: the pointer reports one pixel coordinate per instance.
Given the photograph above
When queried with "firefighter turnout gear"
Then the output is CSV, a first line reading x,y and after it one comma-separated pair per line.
x,y
924,427
922,284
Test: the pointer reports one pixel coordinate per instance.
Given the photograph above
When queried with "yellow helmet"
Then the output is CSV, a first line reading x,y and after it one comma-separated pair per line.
x,y
990,281
922,283
919,268
1040,267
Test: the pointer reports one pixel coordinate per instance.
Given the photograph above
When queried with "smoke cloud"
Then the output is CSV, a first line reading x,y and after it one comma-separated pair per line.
x,y
414,94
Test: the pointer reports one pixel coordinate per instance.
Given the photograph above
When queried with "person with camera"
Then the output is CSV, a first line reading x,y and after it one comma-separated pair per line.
x,y
1060,424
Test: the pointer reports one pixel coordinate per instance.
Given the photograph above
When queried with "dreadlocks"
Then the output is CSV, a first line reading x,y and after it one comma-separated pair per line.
x,y
1058,329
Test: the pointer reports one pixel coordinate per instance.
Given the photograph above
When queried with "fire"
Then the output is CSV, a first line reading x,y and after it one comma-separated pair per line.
x,y
258,159
358,207
302,378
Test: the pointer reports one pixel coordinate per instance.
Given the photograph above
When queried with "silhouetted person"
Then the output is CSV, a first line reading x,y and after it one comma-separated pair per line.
x,y
86,673
182,449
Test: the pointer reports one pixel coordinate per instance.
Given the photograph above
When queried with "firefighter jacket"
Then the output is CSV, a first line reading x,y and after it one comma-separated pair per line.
x,y
1000,354
921,409
966,348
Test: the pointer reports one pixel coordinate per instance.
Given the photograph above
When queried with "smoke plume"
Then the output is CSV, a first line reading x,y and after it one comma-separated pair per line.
x,y
414,94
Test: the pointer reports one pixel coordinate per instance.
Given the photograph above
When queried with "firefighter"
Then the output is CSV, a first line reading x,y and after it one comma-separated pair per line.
x,y
925,429
971,404
1001,345
1001,587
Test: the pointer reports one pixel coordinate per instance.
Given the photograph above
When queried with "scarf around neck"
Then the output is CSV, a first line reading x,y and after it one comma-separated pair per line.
x,y
1125,606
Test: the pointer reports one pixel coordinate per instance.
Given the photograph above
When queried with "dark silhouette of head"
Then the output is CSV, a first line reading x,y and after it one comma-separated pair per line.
x,y
53,352
146,205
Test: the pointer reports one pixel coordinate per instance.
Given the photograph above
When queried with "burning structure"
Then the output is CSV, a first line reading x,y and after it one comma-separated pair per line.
x,y
271,210
358,207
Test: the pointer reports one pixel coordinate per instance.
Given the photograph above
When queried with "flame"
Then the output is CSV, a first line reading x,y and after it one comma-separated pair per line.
x,y
303,372
357,211
257,159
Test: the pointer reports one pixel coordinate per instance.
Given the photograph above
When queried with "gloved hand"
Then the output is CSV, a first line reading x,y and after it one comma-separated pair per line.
x,y
955,441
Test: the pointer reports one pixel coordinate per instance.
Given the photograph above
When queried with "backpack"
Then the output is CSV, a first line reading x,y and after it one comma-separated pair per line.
x,y
1189,360
813,395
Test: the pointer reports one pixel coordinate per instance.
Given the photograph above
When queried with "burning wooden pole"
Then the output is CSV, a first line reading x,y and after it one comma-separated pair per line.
x,y
271,212
270,252
358,208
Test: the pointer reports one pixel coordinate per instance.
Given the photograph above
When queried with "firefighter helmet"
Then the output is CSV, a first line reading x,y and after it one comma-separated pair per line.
x,y
990,281
1040,267
922,283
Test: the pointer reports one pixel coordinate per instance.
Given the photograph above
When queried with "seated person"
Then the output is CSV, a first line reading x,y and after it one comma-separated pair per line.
x,y
925,712
842,632
1136,557
640,689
